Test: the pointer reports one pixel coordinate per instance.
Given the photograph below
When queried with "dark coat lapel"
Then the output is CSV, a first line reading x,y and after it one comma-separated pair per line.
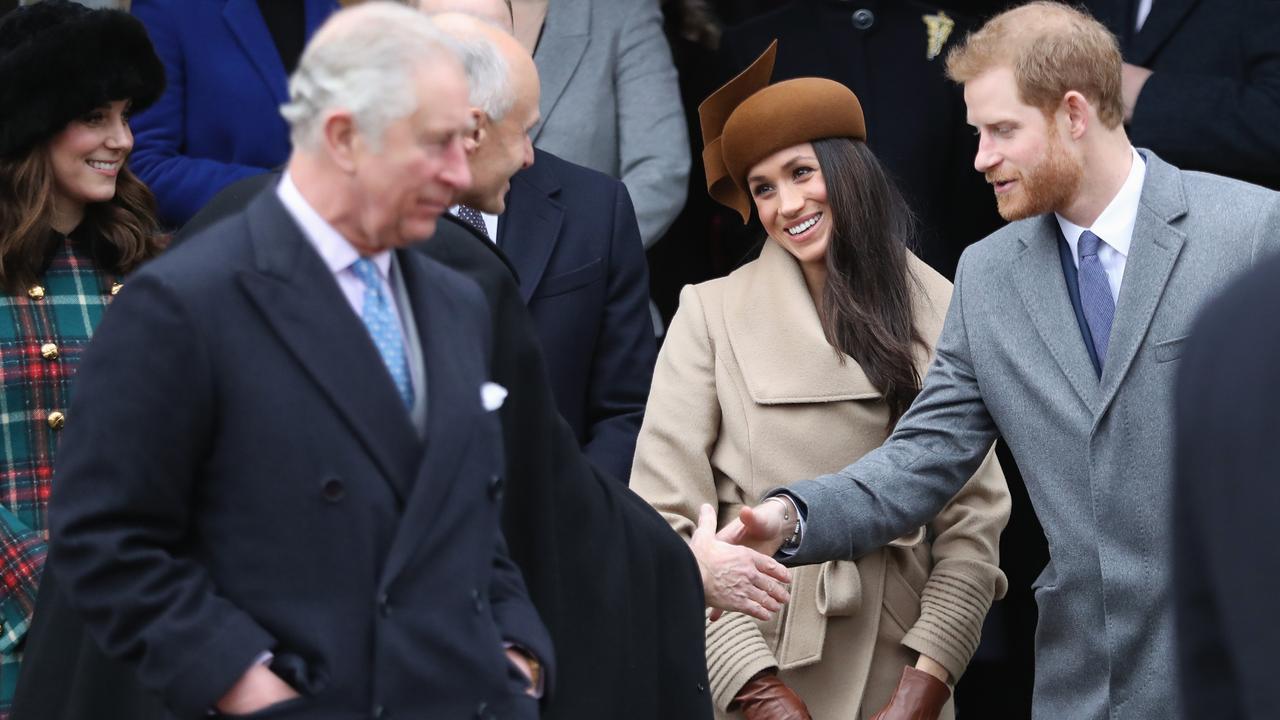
x,y
250,30
1152,254
565,35
1165,17
530,227
453,404
1037,273
300,300
317,12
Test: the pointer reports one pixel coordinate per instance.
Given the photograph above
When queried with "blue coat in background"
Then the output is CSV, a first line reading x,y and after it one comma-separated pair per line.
x,y
219,119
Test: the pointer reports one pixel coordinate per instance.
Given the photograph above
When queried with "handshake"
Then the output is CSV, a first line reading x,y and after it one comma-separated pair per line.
x,y
739,574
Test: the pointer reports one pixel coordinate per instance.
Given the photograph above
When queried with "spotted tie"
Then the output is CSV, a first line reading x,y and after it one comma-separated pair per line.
x,y
472,217
1095,295
384,328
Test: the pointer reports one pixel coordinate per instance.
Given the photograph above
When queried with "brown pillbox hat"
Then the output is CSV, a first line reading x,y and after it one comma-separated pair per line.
x,y
747,120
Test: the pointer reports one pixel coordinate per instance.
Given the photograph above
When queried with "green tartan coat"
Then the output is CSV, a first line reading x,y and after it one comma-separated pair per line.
x,y
43,332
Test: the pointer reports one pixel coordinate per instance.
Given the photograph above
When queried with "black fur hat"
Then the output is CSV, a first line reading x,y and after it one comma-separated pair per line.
x,y
59,60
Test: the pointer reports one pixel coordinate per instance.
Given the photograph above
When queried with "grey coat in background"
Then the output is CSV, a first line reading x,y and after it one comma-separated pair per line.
x,y
1096,455
610,101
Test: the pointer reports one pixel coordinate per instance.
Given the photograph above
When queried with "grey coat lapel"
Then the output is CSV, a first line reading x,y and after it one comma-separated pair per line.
x,y
1153,253
564,41
1037,273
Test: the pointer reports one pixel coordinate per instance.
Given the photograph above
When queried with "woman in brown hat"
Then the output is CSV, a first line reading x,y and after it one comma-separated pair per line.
x,y
791,367
73,221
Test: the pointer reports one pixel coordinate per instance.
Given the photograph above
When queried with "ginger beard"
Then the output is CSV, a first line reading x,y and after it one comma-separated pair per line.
x,y
1047,187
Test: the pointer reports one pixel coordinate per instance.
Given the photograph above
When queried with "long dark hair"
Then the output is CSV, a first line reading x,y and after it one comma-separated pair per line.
x,y
866,303
125,229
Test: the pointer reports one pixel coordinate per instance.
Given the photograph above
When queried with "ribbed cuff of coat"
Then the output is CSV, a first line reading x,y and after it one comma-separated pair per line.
x,y
736,652
952,607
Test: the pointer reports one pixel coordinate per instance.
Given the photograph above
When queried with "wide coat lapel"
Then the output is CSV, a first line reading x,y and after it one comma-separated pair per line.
x,y
301,301
1165,17
453,404
1037,274
530,227
250,30
1153,253
565,36
778,341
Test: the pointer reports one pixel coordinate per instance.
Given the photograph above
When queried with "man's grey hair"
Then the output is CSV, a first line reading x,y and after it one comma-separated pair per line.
x,y
366,65
488,72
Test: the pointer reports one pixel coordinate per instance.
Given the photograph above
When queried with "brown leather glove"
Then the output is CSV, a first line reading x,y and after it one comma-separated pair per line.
x,y
919,696
765,697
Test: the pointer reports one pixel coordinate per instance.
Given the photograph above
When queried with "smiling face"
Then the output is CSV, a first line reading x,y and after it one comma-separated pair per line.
x,y
791,199
505,147
1021,150
86,158
404,183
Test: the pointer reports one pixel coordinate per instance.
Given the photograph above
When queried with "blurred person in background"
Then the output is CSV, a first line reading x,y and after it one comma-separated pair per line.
x,y
570,233
780,370
1201,82
73,222
227,63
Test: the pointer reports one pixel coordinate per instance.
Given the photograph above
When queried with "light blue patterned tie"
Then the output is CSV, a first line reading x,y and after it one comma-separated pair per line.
x,y
384,328
1095,295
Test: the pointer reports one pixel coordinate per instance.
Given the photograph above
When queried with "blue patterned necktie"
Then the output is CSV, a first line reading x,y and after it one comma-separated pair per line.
x,y
1095,295
384,328
472,217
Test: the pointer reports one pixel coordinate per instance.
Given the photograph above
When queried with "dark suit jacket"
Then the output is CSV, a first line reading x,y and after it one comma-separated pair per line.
x,y
561,515
218,120
915,116
1213,103
241,475
571,235
1226,561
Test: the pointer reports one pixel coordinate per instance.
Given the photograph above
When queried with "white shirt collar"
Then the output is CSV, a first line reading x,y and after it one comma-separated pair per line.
x,y
1115,224
337,253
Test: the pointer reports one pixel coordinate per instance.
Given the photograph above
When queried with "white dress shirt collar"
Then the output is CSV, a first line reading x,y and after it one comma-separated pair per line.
x,y
1115,224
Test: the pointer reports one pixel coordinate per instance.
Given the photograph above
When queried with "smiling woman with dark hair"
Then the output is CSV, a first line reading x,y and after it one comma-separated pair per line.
x,y
73,222
784,369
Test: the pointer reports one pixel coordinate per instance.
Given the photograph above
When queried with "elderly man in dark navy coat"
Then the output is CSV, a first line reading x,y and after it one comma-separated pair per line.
x,y
571,235
277,491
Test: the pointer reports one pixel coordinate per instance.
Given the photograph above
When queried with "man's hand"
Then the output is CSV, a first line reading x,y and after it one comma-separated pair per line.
x,y
257,689
521,662
1132,78
763,528
736,579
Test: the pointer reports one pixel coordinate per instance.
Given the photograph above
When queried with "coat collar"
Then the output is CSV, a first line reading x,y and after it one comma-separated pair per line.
x,y
1165,17
778,341
299,298
245,22
1037,275
530,227
565,34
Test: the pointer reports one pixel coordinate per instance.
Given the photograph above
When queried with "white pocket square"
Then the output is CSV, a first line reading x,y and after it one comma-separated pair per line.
x,y
492,395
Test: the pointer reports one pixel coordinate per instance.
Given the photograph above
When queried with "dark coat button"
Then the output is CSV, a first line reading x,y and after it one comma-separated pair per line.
x,y
333,490
381,713
702,688
863,19
495,487
384,605
481,709
477,599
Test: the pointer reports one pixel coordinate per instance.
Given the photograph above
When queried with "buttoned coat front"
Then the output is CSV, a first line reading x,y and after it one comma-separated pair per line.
x,y
1096,453
747,392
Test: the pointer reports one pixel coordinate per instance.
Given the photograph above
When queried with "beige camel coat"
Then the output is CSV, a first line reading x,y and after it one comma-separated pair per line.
x,y
748,395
